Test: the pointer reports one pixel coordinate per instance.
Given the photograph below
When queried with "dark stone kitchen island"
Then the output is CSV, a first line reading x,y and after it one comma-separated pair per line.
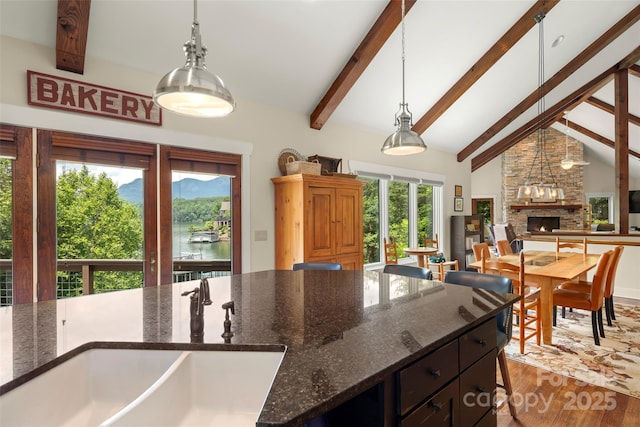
x,y
357,342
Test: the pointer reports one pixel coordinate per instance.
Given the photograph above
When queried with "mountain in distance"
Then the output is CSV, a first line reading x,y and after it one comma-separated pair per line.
x,y
187,188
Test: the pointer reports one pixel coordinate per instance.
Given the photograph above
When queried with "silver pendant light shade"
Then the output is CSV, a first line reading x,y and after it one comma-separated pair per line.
x,y
403,141
567,163
192,90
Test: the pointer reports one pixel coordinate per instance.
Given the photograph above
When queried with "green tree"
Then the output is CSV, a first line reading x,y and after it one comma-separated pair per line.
x,y
425,212
399,214
370,223
599,210
6,227
95,223
6,224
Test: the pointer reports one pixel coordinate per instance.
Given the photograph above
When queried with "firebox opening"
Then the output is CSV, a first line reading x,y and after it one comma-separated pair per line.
x,y
543,223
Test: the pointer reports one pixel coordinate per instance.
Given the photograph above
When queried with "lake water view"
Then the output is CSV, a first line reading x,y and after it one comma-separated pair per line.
x,y
182,248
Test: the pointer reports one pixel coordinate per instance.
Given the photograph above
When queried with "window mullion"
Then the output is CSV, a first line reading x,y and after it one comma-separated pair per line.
x,y
383,197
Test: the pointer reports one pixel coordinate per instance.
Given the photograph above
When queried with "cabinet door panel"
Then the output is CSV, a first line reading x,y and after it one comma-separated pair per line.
x,y
320,228
477,389
348,221
350,262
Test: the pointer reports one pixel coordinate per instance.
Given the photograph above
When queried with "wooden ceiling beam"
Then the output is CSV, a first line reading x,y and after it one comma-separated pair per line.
x,y
381,30
71,34
597,137
631,59
553,114
610,109
634,70
477,70
610,35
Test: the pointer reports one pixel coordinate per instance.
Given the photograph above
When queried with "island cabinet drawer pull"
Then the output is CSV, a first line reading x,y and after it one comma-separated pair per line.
x,y
477,389
417,382
476,343
438,411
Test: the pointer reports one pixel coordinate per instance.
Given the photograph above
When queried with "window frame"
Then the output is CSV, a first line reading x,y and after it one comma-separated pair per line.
x,y
193,160
17,143
385,174
58,145
609,196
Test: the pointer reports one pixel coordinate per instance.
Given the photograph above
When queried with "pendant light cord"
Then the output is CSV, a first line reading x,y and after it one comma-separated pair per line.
x,y
195,11
541,102
566,137
402,19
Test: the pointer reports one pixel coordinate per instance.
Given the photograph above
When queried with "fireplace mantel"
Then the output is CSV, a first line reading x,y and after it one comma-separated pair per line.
x,y
570,208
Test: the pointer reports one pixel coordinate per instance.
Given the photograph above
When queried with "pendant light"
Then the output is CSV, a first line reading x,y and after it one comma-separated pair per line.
x,y
403,141
191,90
567,163
542,191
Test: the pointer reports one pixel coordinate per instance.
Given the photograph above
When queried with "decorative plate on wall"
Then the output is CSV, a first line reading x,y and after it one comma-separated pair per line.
x,y
283,158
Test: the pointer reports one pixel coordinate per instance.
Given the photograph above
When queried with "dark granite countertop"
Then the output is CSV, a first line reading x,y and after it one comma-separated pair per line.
x,y
344,331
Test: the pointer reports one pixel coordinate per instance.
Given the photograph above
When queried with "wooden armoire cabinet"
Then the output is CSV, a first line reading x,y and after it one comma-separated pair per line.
x,y
318,218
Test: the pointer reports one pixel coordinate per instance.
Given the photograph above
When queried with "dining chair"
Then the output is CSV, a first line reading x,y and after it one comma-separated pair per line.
x,y
592,300
316,266
390,251
504,247
529,325
409,271
479,249
582,246
585,285
438,268
560,245
504,319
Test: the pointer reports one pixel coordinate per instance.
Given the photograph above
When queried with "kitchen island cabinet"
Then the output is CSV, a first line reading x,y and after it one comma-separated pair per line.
x,y
355,340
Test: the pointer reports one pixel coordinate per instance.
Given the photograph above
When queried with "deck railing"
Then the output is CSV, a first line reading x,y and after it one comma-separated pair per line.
x,y
184,269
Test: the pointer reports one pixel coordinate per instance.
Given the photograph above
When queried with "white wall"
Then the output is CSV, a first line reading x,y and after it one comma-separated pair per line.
x,y
257,131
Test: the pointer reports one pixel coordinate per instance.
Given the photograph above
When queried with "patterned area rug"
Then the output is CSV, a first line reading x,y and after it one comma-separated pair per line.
x,y
615,364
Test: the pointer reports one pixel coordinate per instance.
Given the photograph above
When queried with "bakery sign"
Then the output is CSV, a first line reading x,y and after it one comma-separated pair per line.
x,y
71,95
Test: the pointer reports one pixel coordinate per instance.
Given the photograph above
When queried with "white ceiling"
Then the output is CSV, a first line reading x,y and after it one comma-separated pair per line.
x,y
288,52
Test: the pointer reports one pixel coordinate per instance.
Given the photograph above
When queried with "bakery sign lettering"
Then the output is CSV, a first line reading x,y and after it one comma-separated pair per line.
x,y
71,95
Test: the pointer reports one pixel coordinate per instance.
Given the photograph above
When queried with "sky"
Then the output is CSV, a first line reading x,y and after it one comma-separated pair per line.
x,y
122,175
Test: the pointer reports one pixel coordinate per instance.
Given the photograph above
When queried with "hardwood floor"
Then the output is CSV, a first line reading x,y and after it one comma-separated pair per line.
x,y
546,399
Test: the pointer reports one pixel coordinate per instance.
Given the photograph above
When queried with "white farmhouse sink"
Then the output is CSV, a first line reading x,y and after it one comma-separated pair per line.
x,y
118,387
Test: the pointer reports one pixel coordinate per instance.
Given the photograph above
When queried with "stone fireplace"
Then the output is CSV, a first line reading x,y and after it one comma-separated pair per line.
x,y
516,164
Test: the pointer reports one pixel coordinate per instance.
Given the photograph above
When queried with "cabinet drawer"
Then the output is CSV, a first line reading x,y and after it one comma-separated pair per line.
x,y
418,381
440,410
477,389
477,342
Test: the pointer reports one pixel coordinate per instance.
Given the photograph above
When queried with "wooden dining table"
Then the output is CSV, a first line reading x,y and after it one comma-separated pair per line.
x,y
548,270
422,253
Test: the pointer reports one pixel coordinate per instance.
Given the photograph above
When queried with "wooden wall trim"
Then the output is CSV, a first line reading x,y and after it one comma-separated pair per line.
x,y
46,221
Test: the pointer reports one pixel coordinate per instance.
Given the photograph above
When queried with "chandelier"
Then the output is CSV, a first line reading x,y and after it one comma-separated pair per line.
x,y
542,191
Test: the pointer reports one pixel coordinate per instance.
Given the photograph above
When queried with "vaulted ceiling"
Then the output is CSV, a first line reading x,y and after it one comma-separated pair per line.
x,y
471,66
